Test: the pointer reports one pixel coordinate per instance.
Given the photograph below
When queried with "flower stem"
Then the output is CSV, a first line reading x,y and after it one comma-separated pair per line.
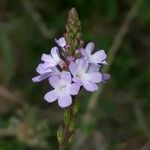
x,y
73,39
65,133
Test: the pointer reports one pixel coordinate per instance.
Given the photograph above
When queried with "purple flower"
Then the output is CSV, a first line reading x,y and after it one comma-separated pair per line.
x,y
45,71
96,58
105,77
61,42
53,58
85,74
48,68
63,89
83,71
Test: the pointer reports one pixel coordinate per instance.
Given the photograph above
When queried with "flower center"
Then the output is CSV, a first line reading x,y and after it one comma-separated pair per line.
x,y
63,88
80,75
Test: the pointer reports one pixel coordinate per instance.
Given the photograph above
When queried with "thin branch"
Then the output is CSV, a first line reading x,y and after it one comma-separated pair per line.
x,y
36,17
111,56
114,49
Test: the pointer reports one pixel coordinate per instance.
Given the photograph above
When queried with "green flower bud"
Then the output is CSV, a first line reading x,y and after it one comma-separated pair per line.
x,y
60,134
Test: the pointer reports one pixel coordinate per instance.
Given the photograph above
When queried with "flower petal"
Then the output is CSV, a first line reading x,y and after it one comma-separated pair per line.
x,y
61,42
74,90
89,48
43,68
105,77
51,96
54,53
77,81
73,68
36,79
89,86
66,76
82,65
85,65
39,69
55,71
95,77
65,101
46,58
41,77
93,68
45,65
98,57
104,62
79,63
53,80
83,52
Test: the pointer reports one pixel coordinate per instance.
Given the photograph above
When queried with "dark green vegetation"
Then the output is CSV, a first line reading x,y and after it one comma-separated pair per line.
x,y
121,119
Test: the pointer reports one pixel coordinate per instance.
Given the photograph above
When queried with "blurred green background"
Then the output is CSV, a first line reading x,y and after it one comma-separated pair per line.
x,y
121,120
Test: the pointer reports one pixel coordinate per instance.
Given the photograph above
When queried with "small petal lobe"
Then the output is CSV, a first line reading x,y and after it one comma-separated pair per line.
x,y
65,101
95,77
40,77
73,68
89,48
54,52
45,57
89,86
74,90
61,42
53,80
51,96
98,57
66,76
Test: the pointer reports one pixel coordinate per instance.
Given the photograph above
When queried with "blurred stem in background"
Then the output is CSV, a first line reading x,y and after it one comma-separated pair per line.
x,y
36,17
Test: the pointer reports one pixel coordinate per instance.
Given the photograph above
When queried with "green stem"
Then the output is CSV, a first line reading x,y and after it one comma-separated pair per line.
x,y
67,131
73,39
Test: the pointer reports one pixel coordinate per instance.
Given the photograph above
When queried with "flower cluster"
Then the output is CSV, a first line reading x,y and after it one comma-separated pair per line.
x,y
67,73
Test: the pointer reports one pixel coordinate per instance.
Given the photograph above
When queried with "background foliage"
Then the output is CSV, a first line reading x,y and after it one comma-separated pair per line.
x,y
122,117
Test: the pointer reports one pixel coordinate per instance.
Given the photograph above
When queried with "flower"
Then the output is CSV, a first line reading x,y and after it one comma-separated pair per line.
x,y
63,89
61,42
48,67
68,72
45,71
85,74
105,77
96,58
53,58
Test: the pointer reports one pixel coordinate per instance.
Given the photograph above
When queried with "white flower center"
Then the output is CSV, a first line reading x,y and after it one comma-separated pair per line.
x,y
80,74
63,88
